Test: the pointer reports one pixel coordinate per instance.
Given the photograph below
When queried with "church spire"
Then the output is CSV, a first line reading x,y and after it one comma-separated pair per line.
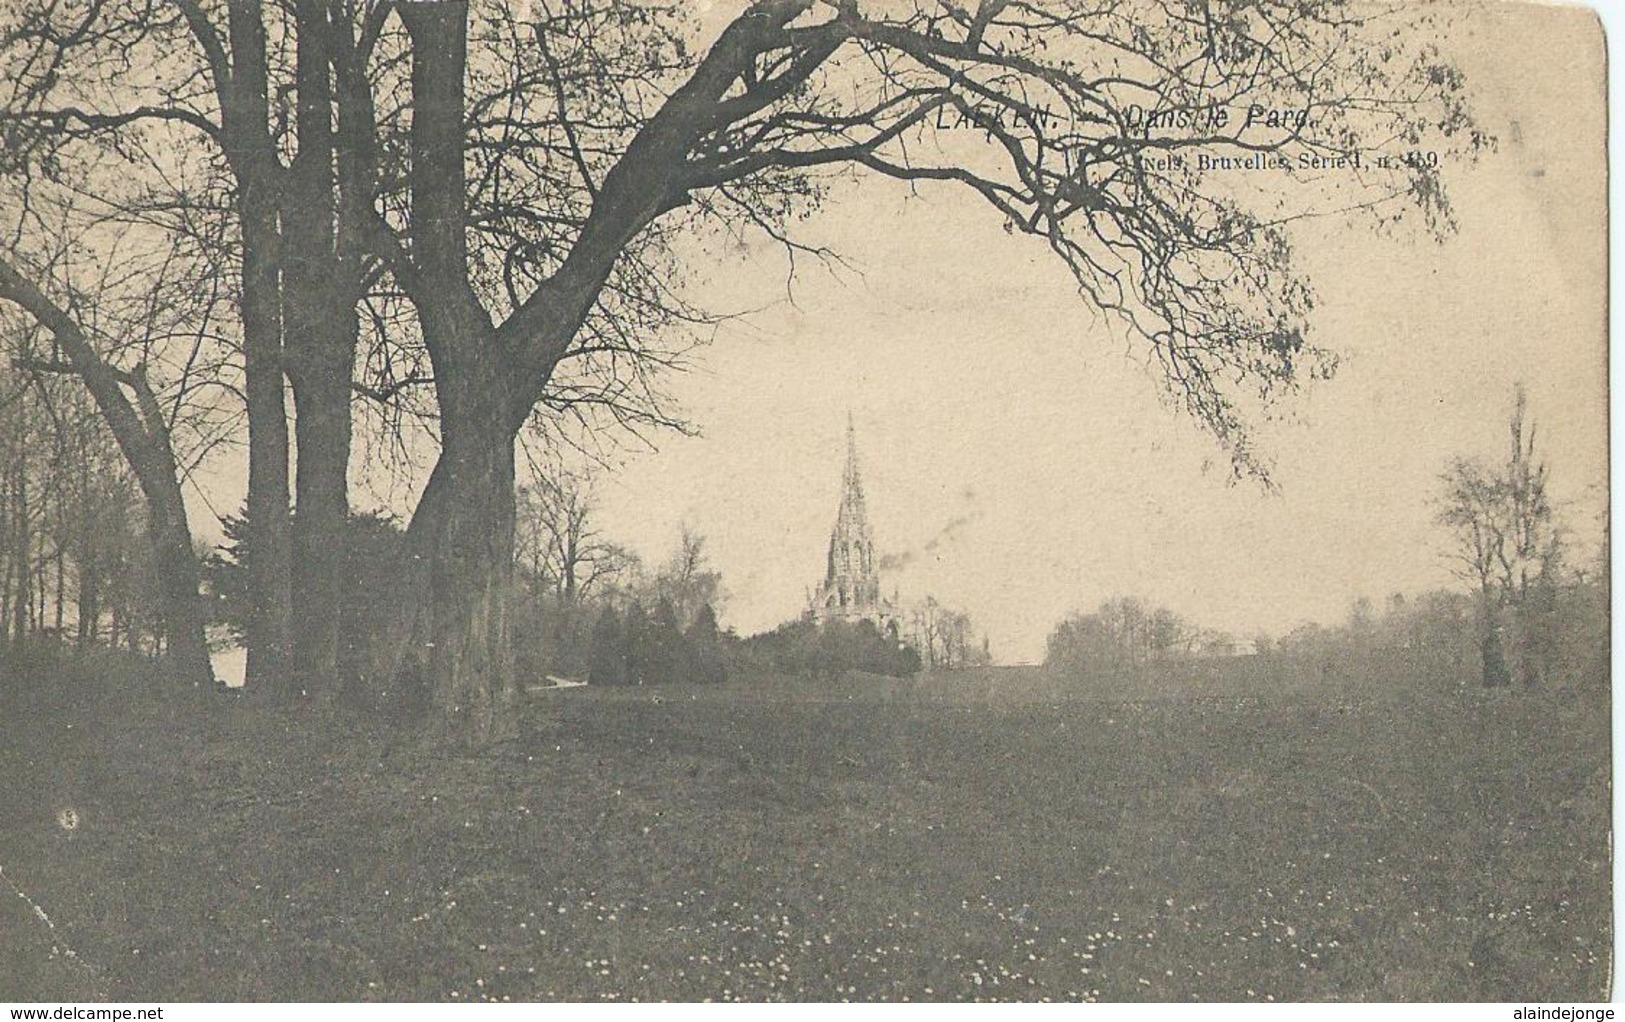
x,y
852,514
851,589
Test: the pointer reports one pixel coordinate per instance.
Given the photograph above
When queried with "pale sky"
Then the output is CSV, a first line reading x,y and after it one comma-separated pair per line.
x,y
1023,466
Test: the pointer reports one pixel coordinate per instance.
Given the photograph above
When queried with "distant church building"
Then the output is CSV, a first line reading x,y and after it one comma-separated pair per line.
x,y
851,589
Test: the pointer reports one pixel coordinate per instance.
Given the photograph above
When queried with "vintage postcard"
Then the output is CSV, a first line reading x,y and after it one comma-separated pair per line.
x,y
804,500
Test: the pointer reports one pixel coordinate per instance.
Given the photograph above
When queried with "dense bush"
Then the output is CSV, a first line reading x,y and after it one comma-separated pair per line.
x,y
606,663
808,648
649,648
368,566
552,635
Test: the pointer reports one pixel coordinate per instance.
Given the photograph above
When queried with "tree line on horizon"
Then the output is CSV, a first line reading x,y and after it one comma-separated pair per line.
x,y
1531,615
72,570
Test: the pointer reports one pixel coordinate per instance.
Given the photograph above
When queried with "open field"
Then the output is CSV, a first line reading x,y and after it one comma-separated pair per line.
x,y
979,837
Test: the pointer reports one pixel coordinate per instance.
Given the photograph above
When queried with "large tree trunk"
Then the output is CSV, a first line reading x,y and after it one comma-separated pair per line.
x,y
269,548
321,337
245,106
320,369
448,641
170,534
178,572
463,536
452,612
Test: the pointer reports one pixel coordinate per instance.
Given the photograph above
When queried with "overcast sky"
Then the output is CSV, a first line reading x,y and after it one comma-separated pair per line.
x,y
1019,465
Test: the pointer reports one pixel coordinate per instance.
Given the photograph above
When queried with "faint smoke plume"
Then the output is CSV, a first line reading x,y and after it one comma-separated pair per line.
x,y
892,562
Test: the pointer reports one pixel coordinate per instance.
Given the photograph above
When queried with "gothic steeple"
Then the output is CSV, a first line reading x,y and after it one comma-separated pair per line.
x,y
851,589
852,518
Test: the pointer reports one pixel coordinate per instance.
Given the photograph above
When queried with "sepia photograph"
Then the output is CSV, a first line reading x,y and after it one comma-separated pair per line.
x,y
760,501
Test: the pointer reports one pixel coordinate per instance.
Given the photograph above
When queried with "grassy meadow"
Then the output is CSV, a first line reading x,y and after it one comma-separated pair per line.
x,y
995,835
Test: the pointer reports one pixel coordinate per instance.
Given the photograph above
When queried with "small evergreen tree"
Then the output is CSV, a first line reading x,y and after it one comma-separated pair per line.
x,y
668,659
607,656
705,647
635,638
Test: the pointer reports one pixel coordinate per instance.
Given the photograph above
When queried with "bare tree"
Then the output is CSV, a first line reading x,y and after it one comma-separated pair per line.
x,y
67,505
127,402
1509,545
557,542
1125,634
943,637
256,119
687,580
287,121
1167,634
926,619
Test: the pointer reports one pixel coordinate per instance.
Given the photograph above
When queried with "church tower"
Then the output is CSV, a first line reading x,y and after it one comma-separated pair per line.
x,y
851,589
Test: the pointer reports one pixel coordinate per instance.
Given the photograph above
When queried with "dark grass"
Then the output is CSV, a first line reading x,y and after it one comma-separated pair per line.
x,y
979,837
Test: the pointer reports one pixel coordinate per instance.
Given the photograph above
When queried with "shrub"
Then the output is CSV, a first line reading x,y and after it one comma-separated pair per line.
x,y
607,657
807,648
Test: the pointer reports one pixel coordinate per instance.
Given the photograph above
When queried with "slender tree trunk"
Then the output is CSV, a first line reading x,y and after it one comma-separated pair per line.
x,y
89,613
87,610
6,533
268,548
138,426
36,574
61,592
42,585
25,591
1492,655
